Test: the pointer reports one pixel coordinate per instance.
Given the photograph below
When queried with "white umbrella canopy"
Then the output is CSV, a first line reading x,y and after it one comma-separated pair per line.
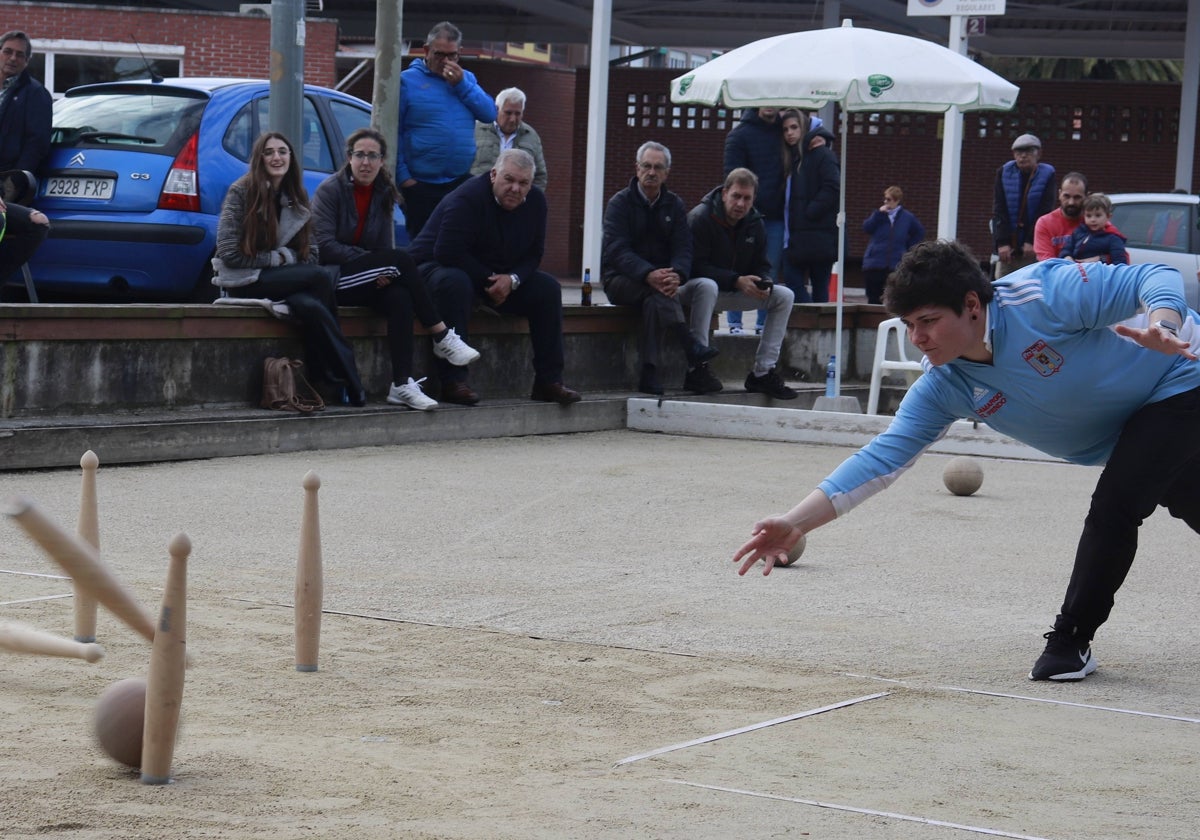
x,y
861,70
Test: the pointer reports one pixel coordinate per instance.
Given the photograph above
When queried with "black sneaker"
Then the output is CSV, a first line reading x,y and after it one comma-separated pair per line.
x,y
698,354
771,384
701,380
1066,658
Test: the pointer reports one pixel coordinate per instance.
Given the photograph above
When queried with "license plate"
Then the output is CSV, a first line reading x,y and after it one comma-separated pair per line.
x,y
99,189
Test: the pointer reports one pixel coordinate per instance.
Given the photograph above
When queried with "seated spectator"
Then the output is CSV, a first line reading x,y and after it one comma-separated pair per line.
x,y
645,262
729,245
354,228
1096,239
265,250
485,241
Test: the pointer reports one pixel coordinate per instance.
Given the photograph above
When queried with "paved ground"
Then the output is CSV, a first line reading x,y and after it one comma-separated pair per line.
x,y
513,619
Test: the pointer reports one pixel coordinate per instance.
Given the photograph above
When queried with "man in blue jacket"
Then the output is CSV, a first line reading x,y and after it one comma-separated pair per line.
x,y
1057,357
1023,193
439,104
485,240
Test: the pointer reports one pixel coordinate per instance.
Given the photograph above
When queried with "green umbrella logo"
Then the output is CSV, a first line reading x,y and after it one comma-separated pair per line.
x,y
878,83
685,83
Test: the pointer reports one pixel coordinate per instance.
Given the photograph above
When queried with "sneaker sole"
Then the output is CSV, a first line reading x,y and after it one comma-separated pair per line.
x,y
1069,676
403,404
468,360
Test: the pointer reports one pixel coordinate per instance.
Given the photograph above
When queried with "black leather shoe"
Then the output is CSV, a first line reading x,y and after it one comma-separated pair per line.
x,y
356,398
648,382
698,354
458,393
554,392
701,380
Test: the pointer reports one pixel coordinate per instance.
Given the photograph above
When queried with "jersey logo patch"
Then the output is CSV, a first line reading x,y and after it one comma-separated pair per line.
x,y
1043,358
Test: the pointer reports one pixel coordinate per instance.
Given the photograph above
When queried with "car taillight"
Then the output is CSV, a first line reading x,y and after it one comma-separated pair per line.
x,y
181,191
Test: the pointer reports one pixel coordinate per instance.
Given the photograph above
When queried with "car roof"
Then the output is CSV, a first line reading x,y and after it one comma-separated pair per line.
x,y
1162,198
203,84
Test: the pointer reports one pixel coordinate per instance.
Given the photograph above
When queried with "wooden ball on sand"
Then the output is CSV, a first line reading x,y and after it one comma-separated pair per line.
x,y
796,551
118,719
963,476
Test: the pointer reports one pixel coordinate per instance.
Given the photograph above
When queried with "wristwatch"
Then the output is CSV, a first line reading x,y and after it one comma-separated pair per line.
x,y
1169,326
516,281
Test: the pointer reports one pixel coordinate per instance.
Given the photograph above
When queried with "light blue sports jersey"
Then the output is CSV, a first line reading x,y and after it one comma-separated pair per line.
x,y
1061,380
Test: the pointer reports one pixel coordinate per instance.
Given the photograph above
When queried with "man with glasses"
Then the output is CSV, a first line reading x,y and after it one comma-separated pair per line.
x,y
645,262
439,104
1024,192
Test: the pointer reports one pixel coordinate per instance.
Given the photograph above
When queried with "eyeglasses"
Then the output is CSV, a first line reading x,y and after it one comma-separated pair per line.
x,y
9,52
445,56
652,167
276,153
370,157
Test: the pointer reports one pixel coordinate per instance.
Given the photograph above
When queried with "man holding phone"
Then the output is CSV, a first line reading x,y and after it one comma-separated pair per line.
x,y
729,245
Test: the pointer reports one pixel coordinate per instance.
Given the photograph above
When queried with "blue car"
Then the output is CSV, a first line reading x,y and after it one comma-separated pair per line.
x,y
137,172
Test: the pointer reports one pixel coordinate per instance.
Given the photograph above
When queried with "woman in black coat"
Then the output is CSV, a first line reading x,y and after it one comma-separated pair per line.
x,y
813,195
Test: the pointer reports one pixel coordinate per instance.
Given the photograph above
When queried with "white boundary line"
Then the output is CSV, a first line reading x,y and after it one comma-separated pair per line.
x,y
1113,709
707,738
31,600
33,574
869,812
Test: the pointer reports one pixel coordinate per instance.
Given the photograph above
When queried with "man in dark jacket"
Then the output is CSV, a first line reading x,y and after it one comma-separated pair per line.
x,y
729,245
24,143
756,143
645,262
1023,193
25,107
812,208
486,240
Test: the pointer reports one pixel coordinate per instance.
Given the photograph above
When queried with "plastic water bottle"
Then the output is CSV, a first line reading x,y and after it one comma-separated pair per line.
x,y
831,377
586,299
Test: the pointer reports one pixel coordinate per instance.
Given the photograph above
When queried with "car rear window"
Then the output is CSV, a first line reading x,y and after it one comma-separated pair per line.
x,y
158,121
1162,226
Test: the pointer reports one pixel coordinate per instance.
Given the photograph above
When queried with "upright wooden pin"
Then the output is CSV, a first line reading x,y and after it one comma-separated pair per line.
x,y
164,682
79,560
89,531
309,585
21,638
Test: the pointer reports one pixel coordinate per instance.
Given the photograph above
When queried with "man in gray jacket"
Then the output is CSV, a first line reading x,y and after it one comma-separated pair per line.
x,y
509,131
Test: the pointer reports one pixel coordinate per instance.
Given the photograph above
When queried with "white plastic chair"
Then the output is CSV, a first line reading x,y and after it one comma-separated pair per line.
x,y
882,363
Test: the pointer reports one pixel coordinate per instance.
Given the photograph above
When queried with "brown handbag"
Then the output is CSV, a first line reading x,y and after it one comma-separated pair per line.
x,y
286,389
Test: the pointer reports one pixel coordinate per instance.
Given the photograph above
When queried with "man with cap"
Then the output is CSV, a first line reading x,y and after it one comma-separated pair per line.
x,y
1024,192
1054,230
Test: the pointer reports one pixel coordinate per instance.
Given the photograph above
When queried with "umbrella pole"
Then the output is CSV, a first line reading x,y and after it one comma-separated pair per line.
x,y
841,263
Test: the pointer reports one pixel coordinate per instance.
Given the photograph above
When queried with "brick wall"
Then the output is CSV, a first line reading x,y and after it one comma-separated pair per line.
x,y
216,44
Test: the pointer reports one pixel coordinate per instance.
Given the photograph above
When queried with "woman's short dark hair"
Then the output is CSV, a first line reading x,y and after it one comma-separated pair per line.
x,y
935,273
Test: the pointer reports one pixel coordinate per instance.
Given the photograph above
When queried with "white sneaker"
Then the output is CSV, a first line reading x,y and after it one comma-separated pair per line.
x,y
454,350
734,329
411,395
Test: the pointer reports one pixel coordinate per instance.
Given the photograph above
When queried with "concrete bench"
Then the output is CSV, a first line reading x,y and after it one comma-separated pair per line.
x,y
61,360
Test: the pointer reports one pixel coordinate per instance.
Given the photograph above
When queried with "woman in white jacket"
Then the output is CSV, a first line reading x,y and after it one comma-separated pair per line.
x,y
265,249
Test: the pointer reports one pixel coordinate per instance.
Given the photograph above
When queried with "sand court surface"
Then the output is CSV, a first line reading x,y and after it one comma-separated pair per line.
x,y
545,637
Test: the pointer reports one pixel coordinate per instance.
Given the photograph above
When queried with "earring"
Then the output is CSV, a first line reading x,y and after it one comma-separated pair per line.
x,y
974,317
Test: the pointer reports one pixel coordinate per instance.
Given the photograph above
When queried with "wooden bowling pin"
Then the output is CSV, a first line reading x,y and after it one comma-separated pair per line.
x,y
82,563
21,638
164,682
309,585
89,532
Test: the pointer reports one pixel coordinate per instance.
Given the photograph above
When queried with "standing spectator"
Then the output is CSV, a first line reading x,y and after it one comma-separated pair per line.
x,y
352,219
25,107
645,261
893,230
813,192
439,104
1053,230
1023,193
728,246
509,131
486,240
754,144
1097,238
265,249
